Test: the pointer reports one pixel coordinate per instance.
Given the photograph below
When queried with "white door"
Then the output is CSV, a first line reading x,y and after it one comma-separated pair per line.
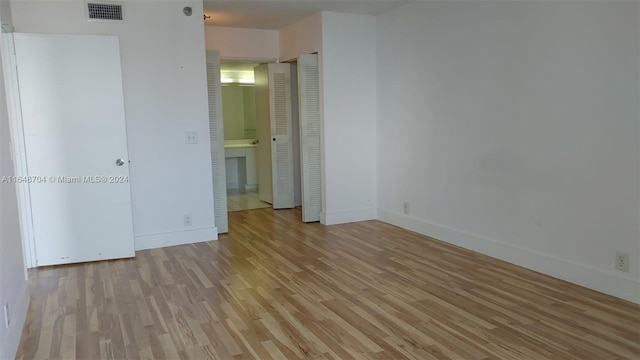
x,y
76,150
281,135
216,132
309,103
275,134
263,130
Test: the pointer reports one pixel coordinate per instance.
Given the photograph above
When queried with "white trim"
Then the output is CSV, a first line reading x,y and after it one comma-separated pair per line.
x,y
347,216
19,309
18,149
153,241
608,282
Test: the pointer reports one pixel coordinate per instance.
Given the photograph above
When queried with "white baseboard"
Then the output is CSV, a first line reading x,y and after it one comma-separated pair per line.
x,y
19,309
348,216
592,278
153,241
251,187
233,186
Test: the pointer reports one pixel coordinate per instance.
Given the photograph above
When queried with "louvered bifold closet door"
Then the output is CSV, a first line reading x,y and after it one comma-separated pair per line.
x,y
309,100
281,135
216,133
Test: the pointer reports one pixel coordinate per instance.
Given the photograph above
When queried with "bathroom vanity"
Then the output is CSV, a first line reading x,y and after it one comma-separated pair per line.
x,y
241,166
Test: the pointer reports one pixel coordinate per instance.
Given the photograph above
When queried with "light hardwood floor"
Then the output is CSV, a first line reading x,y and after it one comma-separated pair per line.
x,y
276,288
238,200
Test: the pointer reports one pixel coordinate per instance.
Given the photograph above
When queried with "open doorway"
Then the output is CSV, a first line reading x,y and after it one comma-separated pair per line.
x,y
248,154
240,135
240,150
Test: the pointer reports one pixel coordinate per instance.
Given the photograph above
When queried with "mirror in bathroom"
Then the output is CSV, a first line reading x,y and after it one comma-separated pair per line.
x,y
238,102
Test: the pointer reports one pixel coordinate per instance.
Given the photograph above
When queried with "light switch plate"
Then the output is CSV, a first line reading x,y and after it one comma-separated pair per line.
x,y
190,137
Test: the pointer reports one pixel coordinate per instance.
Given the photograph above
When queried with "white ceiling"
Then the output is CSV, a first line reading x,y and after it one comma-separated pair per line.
x,y
269,14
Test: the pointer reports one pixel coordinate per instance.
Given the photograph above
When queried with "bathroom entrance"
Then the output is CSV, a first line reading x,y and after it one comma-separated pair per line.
x,y
265,147
261,135
240,135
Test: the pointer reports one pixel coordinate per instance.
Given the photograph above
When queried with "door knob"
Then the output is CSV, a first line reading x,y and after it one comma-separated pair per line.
x,y
120,162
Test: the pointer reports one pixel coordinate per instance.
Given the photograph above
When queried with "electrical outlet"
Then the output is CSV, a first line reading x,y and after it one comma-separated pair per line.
x,y
7,320
186,219
405,206
622,261
190,137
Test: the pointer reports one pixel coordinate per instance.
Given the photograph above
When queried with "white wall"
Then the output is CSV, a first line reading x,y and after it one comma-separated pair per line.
x,y
14,289
301,37
512,128
349,112
163,62
243,44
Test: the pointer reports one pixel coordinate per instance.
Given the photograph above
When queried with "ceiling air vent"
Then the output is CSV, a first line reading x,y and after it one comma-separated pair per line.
x,y
104,11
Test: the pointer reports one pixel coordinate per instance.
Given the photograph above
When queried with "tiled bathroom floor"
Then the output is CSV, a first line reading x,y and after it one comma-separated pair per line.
x,y
244,200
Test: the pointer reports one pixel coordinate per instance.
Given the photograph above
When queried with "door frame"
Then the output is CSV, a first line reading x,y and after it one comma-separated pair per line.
x,y
296,124
19,151
241,59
